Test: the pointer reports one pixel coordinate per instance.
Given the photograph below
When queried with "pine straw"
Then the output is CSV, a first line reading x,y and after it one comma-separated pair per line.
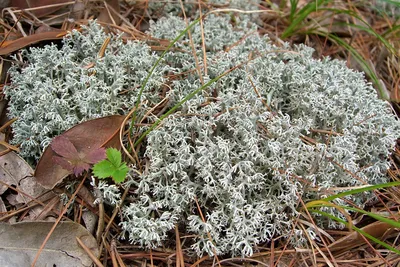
x,y
333,247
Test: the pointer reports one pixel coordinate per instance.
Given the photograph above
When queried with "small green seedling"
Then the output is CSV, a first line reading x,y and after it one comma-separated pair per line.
x,y
112,166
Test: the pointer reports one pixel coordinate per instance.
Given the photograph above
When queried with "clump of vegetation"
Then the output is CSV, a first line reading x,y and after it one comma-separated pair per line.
x,y
278,127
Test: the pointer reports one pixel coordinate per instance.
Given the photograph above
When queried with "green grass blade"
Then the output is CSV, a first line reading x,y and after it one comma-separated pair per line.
x,y
180,103
392,2
369,30
376,240
370,214
293,9
182,33
301,15
375,216
360,190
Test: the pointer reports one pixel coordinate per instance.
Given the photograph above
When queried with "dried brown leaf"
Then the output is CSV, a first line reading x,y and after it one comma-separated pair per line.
x,y
354,239
86,137
20,243
14,171
40,12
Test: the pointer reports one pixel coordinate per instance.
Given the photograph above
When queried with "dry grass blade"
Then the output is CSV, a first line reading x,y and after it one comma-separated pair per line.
x,y
179,254
23,42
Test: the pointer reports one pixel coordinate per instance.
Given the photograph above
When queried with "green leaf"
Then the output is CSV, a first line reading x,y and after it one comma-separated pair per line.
x,y
114,156
103,169
111,167
120,174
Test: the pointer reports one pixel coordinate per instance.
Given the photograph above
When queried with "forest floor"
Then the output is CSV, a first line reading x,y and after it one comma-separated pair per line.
x,y
363,33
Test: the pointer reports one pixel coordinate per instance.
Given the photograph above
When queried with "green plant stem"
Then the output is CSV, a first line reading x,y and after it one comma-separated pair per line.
x,y
180,103
182,33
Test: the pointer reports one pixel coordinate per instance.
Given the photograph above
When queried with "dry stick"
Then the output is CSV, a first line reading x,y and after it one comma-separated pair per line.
x,y
199,261
109,13
260,263
16,21
100,225
146,5
119,259
179,254
9,32
258,93
367,241
9,215
8,146
103,47
49,207
272,257
196,60
319,229
2,153
89,253
8,123
151,258
112,253
23,193
314,257
58,220
203,40
284,250
46,6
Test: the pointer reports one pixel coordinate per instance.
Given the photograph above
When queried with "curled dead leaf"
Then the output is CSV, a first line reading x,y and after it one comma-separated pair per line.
x,y
86,137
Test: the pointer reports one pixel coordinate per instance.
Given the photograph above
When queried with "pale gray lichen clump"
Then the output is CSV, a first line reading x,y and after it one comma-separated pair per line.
x,y
279,127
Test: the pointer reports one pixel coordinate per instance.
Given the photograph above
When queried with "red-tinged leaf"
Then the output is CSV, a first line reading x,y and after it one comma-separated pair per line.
x,y
63,162
86,137
63,147
80,167
96,155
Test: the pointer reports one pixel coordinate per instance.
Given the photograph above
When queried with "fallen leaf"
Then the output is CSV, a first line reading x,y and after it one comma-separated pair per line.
x,y
71,159
24,4
354,239
20,243
86,138
14,171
